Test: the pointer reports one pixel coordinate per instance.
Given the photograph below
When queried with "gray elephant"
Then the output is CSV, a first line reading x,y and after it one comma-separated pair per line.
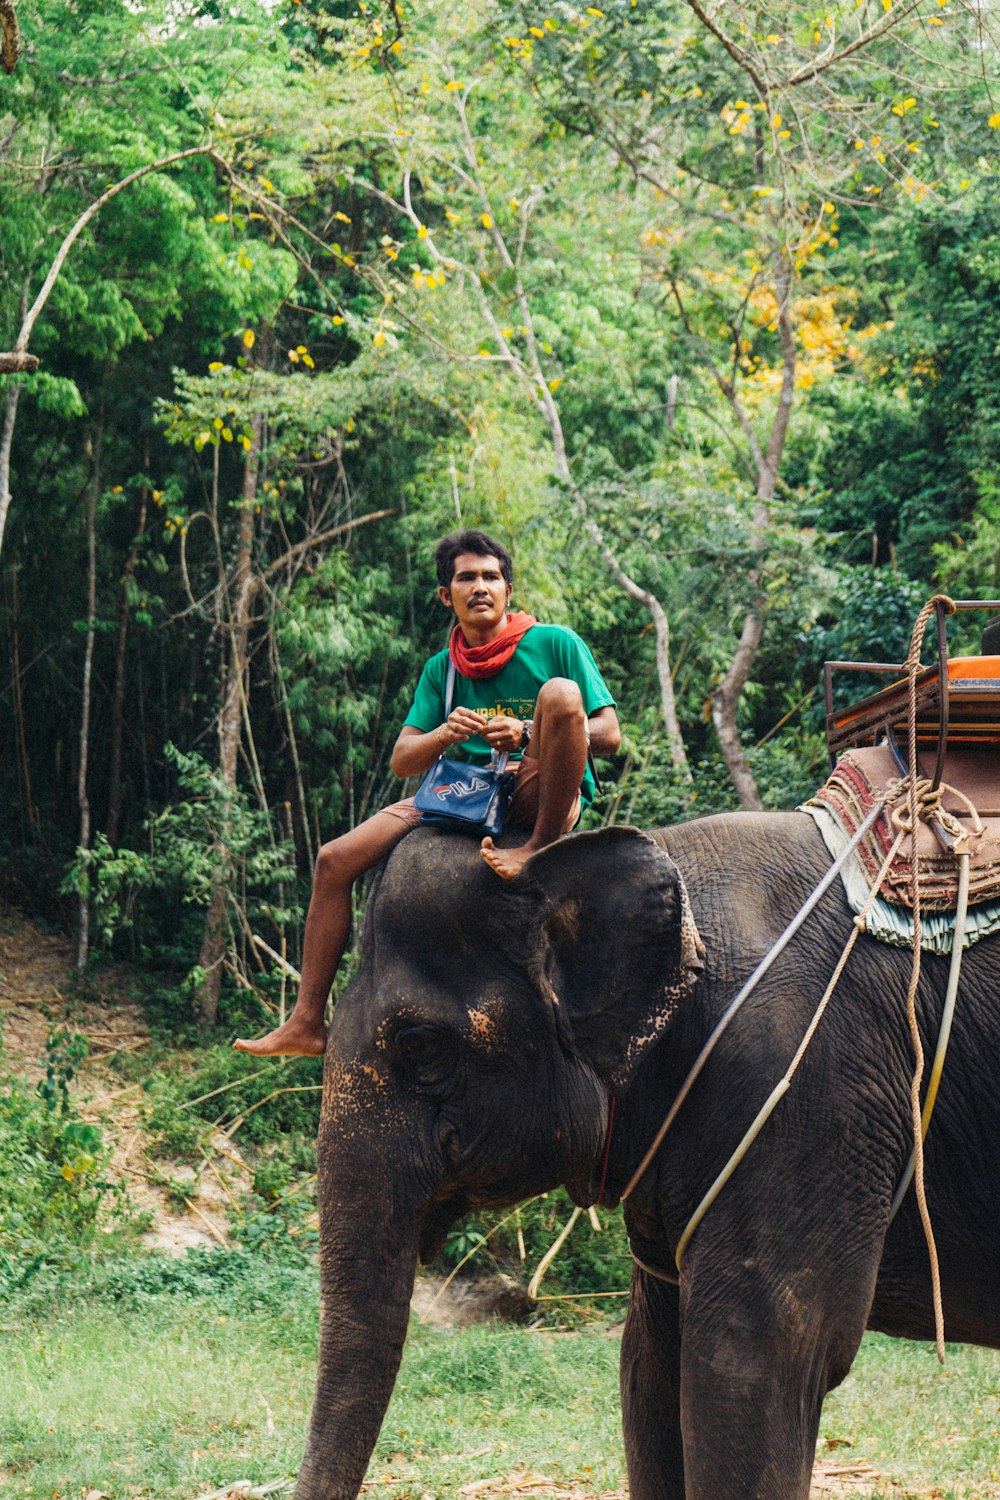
x,y
472,1061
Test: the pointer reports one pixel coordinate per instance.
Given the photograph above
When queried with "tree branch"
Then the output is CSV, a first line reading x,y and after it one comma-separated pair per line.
x,y
736,53
89,213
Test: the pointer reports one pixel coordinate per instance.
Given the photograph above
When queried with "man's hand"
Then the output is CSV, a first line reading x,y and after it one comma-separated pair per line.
x,y
504,733
463,723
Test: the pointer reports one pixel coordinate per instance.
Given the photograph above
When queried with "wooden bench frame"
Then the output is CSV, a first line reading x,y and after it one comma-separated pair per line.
x,y
954,705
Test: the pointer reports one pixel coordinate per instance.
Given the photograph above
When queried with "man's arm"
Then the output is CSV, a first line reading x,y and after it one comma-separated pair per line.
x,y
605,731
415,752
506,733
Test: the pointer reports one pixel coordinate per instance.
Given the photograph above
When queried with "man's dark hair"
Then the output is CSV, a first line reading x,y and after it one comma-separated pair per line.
x,y
477,542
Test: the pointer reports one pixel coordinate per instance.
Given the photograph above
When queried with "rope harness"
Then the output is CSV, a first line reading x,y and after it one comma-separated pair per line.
x,y
924,802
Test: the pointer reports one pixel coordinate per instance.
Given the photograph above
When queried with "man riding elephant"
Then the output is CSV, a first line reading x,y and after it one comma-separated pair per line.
x,y
531,690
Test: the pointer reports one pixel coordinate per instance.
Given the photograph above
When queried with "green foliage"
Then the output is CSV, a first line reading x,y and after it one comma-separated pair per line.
x,y
57,1207
214,830
275,1104
589,1261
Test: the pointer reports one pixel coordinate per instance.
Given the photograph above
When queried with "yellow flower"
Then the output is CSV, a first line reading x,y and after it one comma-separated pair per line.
x,y
249,338
486,221
215,365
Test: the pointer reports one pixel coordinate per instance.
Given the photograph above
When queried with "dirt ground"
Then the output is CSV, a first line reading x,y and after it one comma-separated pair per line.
x,y
34,997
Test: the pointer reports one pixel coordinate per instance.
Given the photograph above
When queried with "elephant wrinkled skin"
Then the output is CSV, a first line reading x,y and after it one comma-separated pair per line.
x,y
471,1063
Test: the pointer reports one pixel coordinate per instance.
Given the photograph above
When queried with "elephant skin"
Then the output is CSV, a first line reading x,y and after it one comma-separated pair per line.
x,y
471,1063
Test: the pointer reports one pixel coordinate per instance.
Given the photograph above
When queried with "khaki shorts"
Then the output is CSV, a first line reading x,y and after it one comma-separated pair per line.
x,y
523,809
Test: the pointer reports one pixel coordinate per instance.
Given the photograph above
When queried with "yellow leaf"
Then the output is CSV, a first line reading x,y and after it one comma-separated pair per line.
x,y
67,1172
484,353
342,217
994,122
536,31
221,219
218,424
741,104
776,121
453,86
308,360
246,443
227,433
422,232
859,145
267,186
773,39
452,218
337,319
829,208
556,383
202,439
887,5
593,11
215,365
379,339
300,349
249,338
293,356
784,135
486,221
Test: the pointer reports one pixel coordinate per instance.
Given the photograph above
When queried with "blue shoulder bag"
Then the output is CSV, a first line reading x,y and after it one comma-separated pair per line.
x,y
466,798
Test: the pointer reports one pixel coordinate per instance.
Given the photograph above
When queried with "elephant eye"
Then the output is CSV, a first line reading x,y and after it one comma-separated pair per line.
x,y
424,1056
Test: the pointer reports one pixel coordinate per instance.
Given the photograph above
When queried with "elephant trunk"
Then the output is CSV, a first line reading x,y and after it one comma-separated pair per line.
x,y
363,1322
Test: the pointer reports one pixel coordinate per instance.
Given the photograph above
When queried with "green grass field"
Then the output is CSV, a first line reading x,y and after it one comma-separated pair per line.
x,y
166,1396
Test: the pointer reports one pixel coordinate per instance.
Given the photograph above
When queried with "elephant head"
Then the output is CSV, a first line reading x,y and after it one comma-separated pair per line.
x,y
470,1063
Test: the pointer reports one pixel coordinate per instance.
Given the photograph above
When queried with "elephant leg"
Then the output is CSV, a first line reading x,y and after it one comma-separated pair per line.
x,y
756,1364
651,1390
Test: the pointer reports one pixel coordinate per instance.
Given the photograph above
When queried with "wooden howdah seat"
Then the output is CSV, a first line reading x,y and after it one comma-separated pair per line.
x,y
958,754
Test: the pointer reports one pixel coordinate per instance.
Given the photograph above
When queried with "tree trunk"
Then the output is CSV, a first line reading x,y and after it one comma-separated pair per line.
x,y
241,590
83,798
726,698
118,698
6,444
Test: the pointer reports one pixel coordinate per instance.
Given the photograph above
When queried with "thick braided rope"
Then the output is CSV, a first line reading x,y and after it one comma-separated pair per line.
x,y
912,671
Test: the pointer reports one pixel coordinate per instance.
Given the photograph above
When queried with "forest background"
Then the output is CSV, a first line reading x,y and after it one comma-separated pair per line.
x,y
695,305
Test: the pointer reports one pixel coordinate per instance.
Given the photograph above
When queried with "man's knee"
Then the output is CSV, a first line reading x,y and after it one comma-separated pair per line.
x,y
560,700
332,866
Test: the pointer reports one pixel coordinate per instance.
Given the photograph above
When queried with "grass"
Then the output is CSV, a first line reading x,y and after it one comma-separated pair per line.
x,y
931,1429
165,1395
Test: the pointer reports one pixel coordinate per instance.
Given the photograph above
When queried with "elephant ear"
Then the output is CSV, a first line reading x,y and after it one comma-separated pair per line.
x,y
619,949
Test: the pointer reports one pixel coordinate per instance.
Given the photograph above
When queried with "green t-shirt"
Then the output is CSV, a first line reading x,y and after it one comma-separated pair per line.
x,y
546,651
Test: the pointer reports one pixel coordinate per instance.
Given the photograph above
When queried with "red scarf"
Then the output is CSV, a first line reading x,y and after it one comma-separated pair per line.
x,y
487,661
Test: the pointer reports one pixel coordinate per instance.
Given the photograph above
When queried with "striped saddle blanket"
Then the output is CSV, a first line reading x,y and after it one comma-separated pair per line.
x,y
970,779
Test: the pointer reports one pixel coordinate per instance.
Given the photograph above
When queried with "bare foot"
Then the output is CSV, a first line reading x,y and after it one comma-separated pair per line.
x,y
505,862
294,1039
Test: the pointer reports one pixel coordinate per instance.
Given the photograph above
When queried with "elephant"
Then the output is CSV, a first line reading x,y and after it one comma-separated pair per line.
x,y
472,1062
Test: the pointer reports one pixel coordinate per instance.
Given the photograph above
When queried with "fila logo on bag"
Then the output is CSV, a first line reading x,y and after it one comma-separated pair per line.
x,y
460,788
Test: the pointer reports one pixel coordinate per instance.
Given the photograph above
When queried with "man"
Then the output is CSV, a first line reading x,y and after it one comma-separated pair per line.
x,y
531,690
